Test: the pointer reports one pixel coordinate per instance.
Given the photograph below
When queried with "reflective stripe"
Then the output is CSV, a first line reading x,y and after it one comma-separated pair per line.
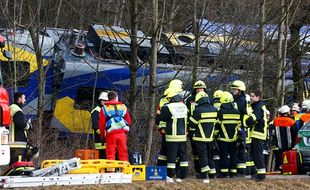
x,y
18,144
253,116
195,157
179,138
289,137
97,108
224,170
212,171
231,122
241,165
171,165
261,171
250,163
207,120
216,157
278,137
162,157
99,146
226,137
193,120
184,164
209,115
231,116
233,170
204,169
162,124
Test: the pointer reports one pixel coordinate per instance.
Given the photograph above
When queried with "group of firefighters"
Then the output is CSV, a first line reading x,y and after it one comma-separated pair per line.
x,y
227,132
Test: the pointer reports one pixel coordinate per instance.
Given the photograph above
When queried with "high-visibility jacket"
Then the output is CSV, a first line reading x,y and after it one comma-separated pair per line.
x,y
283,126
191,104
305,118
19,128
95,126
175,115
228,122
244,106
161,124
203,122
257,121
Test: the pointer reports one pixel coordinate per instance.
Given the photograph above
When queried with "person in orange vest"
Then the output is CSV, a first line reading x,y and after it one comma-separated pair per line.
x,y
305,117
114,121
282,134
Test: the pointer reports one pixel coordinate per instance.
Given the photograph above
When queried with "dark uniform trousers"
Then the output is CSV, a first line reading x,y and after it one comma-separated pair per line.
x,y
162,157
17,155
174,150
228,164
258,156
250,166
195,154
205,157
100,146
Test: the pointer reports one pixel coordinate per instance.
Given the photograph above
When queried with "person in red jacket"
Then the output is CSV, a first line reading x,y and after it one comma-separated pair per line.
x,y
114,122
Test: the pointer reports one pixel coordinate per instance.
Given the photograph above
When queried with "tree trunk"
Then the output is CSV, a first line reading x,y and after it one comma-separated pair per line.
x,y
121,12
279,66
295,55
152,82
197,44
262,45
171,16
133,67
58,13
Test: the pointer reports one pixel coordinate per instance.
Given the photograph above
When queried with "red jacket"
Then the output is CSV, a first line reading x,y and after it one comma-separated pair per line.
x,y
103,120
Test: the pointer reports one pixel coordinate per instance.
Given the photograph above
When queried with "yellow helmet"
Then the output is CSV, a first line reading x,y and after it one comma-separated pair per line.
x,y
176,84
226,97
217,94
172,92
238,84
200,95
200,84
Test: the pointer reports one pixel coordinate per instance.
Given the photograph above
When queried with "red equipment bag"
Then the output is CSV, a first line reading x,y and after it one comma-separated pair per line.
x,y
290,162
5,118
20,168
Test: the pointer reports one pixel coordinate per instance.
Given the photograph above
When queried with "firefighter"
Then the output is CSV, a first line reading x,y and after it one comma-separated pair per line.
x,y
257,124
228,124
243,143
114,122
282,134
202,121
175,115
173,85
199,86
19,129
295,110
305,117
216,99
99,144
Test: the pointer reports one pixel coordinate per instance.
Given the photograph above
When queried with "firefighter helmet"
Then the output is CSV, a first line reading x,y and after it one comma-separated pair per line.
x,y
239,85
172,92
226,97
200,95
284,109
217,94
176,84
103,96
306,105
199,84
295,108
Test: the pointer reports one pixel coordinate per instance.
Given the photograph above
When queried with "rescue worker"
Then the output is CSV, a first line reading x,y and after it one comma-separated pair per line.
x,y
243,143
282,134
176,85
199,86
18,130
175,115
305,117
99,144
202,121
114,122
257,124
216,99
295,110
300,122
228,124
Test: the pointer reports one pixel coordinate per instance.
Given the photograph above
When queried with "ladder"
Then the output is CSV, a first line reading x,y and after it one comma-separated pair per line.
x,y
58,169
69,179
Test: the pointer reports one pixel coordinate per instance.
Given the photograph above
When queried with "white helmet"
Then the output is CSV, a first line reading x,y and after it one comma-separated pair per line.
x,y
284,109
103,96
306,105
295,108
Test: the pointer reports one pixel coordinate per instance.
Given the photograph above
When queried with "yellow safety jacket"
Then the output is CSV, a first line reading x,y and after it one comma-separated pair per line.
x,y
18,134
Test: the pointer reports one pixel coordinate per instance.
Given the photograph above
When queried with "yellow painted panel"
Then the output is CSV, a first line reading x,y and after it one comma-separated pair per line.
x,y
23,55
77,121
112,34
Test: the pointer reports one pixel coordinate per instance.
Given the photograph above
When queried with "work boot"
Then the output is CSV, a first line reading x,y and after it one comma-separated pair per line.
x,y
206,180
169,180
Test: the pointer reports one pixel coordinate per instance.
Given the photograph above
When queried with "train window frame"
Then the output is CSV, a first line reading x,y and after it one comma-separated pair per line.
x,y
79,101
